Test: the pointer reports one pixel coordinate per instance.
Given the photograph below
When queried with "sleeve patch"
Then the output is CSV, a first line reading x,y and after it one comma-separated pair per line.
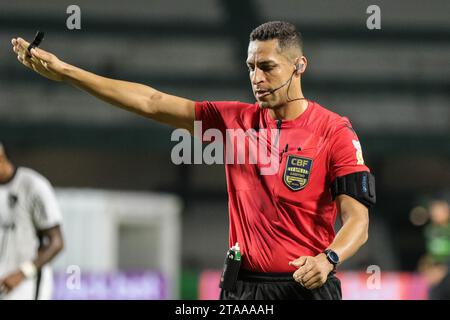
x,y
359,155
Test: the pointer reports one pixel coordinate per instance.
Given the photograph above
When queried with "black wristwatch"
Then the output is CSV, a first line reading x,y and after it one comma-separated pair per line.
x,y
332,257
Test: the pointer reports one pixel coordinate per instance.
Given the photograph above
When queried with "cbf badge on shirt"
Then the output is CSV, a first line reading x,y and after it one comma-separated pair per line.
x,y
297,172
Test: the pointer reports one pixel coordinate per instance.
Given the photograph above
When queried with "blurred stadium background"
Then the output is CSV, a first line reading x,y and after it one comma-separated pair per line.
x,y
138,226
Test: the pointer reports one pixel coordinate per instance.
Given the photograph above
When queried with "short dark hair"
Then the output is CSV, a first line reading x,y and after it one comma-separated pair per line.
x,y
285,32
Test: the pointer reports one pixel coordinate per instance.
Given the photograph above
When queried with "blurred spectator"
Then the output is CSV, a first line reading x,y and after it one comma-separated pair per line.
x,y
437,233
435,264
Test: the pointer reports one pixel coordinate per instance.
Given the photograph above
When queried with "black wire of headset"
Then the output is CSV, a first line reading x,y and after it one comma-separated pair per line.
x,y
289,86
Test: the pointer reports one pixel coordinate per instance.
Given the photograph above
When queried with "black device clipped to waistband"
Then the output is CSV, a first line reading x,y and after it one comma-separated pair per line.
x,y
358,185
37,40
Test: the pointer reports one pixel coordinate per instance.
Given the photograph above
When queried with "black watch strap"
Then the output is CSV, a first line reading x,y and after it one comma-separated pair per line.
x,y
332,257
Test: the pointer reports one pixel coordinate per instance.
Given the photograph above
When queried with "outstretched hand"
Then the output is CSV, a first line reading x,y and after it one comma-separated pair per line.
x,y
38,60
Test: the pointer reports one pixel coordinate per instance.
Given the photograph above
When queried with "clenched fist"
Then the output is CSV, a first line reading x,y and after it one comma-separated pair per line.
x,y
312,272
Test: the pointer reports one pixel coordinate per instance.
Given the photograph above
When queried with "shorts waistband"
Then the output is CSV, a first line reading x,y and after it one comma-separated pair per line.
x,y
247,275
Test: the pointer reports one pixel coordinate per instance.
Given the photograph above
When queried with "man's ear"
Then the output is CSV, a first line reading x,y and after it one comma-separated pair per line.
x,y
300,65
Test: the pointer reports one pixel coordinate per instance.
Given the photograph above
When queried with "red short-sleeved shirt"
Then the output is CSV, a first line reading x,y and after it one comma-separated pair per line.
x,y
279,217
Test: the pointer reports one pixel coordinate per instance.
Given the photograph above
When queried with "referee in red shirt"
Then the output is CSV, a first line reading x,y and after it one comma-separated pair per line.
x,y
283,222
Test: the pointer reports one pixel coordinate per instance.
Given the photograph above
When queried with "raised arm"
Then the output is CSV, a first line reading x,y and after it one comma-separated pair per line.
x,y
144,100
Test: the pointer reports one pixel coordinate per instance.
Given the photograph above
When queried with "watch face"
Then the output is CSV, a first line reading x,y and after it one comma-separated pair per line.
x,y
333,257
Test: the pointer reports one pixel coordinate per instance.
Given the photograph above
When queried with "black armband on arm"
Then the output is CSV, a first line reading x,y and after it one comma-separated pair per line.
x,y
358,185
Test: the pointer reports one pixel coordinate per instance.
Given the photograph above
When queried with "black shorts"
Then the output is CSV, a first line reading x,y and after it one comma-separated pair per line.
x,y
280,286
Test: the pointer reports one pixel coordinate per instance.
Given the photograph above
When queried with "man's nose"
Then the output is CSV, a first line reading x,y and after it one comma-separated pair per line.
x,y
258,76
